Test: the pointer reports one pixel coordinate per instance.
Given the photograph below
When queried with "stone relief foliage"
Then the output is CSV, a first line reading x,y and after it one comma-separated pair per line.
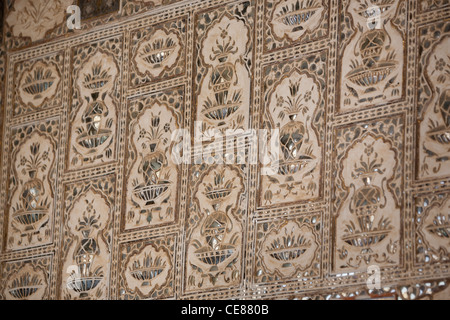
x,y
369,196
215,229
295,21
158,52
27,280
372,64
433,148
38,85
223,62
287,249
147,269
153,180
94,110
33,174
296,106
87,236
34,18
432,223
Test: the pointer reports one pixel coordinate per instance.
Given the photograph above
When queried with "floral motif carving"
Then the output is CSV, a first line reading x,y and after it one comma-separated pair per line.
x,y
38,85
372,63
432,228
148,269
215,240
87,240
27,280
434,109
295,105
224,89
287,249
158,52
32,186
367,228
94,117
295,21
153,179
34,18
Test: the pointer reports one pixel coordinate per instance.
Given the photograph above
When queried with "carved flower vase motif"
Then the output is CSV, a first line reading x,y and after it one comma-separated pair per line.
x,y
32,203
372,69
294,18
27,283
215,242
95,122
368,220
435,127
153,177
291,110
39,84
157,53
148,270
225,89
290,249
86,261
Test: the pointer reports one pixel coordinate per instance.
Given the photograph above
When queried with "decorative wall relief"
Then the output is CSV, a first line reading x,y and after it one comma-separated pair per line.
x,y
38,85
368,195
433,150
94,111
224,67
87,236
147,269
34,18
153,179
158,52
296,106
215,230
295,21
372,64
27,279
32,185
432,223
287,249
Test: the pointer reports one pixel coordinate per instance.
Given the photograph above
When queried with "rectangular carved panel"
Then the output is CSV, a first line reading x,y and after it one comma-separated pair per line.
x,y
368,188
33,178
87,239
295,100
151,193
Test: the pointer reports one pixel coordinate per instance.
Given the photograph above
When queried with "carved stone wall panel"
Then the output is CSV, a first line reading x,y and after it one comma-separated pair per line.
x,y
95,102
26,279
432,225
368,188
148,269
295,22
95,206
31,21
288,249
158,52
215,225
38,84
223,62
372,55
86,245
433,120
295,100
153,180
33,177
